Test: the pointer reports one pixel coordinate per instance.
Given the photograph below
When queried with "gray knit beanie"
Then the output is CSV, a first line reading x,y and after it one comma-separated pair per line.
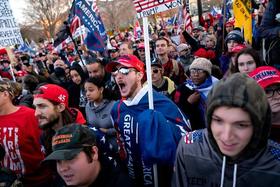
x,y
203,64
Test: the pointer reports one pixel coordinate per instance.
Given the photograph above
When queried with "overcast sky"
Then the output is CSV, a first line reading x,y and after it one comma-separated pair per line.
x,y
17,8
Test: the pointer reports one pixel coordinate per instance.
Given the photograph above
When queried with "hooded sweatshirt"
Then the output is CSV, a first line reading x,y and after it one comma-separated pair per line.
x,y
100,116
199,161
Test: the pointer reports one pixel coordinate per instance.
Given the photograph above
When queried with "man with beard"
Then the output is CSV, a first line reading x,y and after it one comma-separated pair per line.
x,y
19,136
52,111
145,136
95,68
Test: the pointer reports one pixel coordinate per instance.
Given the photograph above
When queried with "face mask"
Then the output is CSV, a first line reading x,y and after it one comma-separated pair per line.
x,y
59,72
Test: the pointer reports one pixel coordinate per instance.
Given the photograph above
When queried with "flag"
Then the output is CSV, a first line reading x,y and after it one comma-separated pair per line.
x,y
75,24
243,18
61,36
225,11
96,33
137,29
172,20
187,16
24,47
216,12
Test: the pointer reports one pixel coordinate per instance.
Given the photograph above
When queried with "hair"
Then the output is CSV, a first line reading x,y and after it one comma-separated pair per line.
x,y
100,84
69,116
248,51
6,85
96,81
88,152
129,44
80,71
97,60
163,38
212,37
16,87
30,82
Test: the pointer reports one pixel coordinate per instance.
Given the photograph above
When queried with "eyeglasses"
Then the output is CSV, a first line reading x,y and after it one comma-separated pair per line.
x,y
198,71
270,92
155,71
123,71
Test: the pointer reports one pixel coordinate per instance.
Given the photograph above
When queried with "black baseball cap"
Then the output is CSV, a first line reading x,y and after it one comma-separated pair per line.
x,y
70,140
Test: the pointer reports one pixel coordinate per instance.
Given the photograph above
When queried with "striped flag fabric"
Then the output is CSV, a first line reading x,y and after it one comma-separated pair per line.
x,y
187,16
96,33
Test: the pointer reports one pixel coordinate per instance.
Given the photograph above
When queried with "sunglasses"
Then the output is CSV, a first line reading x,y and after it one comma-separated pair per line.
x,y
123,70
155,71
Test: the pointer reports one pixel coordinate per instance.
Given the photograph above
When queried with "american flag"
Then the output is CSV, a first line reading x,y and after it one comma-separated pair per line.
x,y
141,5
93,5
187,16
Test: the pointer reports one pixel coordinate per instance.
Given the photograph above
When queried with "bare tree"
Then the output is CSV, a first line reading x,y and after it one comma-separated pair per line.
x,y
117,13
48,14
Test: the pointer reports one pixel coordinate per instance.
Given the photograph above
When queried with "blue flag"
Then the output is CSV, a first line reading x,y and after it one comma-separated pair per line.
x,y
24,47
228,7
96,35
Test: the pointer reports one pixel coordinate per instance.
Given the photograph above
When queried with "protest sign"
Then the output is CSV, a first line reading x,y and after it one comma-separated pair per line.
x,y
146,8
9,30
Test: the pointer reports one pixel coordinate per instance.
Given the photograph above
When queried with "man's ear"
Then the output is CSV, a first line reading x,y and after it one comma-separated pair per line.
x,y
140,75
94,150
60,107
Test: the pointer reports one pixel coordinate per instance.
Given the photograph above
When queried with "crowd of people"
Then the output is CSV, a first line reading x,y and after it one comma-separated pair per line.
x,y
76,117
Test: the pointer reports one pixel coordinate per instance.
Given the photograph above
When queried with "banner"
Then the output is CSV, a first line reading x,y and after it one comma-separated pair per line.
x,y
9,30
146,8
243,17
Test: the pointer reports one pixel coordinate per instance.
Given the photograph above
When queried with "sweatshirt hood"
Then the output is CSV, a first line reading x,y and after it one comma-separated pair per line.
x,y
239,90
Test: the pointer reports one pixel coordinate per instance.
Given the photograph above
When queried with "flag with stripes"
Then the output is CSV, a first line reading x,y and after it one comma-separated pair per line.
x,y
187,16
96,34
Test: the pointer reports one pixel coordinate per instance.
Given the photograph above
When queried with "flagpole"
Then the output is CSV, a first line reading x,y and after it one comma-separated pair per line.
x,y
149,79
12,72
224,25
72,39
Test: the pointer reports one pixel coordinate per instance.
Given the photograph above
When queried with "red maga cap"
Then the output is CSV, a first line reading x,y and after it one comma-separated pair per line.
x,y
130,61
266,76
54,93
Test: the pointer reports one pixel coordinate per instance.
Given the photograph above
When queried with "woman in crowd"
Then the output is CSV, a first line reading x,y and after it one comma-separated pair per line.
x,y
77,98
247,60
234,149
98,109
191,95
232,39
